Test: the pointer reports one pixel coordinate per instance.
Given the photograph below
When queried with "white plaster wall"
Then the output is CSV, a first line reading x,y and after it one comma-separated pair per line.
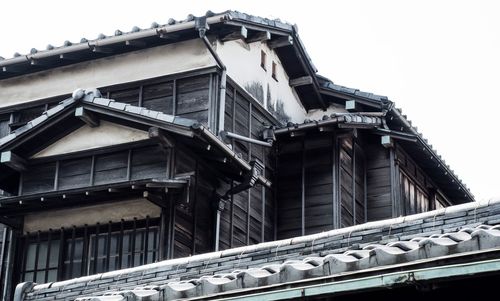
x,y
86,137
317,114
90,215
242,61
123,68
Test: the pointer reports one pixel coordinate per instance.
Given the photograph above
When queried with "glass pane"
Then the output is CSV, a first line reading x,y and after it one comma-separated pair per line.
x,y
40,277
52,276
42,255
30,257
28,277
54,254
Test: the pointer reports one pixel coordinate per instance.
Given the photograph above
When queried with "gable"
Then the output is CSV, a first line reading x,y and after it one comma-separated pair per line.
x,y
87,137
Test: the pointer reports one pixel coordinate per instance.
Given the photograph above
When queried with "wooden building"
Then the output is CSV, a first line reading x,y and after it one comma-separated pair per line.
x,y
204,134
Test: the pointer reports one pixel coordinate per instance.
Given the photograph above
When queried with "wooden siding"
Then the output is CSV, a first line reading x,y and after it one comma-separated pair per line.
x,y
249,217
378,180
321,184
87,170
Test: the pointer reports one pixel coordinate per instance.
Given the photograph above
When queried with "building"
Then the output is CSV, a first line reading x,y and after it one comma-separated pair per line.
x,y
209,145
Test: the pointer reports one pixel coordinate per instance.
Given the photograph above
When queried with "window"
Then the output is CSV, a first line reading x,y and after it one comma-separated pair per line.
x,y
274,71
69,253
263,59
415,200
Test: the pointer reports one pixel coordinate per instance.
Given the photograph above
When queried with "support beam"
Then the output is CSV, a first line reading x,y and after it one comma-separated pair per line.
x,y
301,81
87,117
13,161
164,139
259,37
241,33
11,222
154,198
280,42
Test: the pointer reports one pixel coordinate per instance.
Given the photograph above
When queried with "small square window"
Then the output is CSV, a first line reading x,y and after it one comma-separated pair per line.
x,y
263,59
274,71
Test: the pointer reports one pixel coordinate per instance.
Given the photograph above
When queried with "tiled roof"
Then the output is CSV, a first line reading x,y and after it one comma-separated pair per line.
x,y
328,84
344,119
371,256
94,97
136,31
454,230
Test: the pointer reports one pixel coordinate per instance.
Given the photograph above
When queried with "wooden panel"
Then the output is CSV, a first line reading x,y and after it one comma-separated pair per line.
x,y
130,96
378,174
192,97
159,97
346,183
148,162
183,236
39,178
74,173
111,168
4,125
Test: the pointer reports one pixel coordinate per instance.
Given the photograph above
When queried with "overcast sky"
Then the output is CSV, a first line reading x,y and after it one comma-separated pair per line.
x,y
438,60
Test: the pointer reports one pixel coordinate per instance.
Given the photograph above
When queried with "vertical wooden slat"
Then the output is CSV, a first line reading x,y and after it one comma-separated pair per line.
x,y
303,189
61,257
336,183
396,210
24,255
85,253
129,164
108,246
72,251
249,193
146,241
120,245
96,247
195,205
164,230
132,242
37,250
174,97
47,260
141,89
353,173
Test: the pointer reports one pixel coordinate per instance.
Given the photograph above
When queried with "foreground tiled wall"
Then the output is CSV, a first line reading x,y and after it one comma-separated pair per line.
x,y
335,241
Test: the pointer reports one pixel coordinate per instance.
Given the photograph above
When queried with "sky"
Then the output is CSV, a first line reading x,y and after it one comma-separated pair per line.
x,y
437,60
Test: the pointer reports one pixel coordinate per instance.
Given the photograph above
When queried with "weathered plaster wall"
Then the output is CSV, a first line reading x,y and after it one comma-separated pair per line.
x,y
90,215
86,137
317,114
123,68
243,65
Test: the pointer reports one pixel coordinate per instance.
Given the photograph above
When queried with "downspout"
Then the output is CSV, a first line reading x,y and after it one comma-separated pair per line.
x,y
202,26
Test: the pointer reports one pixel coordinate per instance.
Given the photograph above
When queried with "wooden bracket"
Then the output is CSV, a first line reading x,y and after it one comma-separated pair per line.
x,y
259,37
241,33
164,139
13,161
280,42
300,81
87,117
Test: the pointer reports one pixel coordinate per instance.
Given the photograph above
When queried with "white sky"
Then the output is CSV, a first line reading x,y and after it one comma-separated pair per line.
x,y
438,60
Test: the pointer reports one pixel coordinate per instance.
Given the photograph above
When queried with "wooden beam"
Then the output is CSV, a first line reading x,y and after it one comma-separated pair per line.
x,y
300,81
164,139
13,161
259,37
15,223
154,198
280,42
241,33
87,117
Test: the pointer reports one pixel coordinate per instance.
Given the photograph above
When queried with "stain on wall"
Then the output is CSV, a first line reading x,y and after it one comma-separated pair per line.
x,y
256,89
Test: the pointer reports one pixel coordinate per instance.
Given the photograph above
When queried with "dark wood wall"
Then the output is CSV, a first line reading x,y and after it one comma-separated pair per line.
x,y
144,162
321,183
249,217
378,180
